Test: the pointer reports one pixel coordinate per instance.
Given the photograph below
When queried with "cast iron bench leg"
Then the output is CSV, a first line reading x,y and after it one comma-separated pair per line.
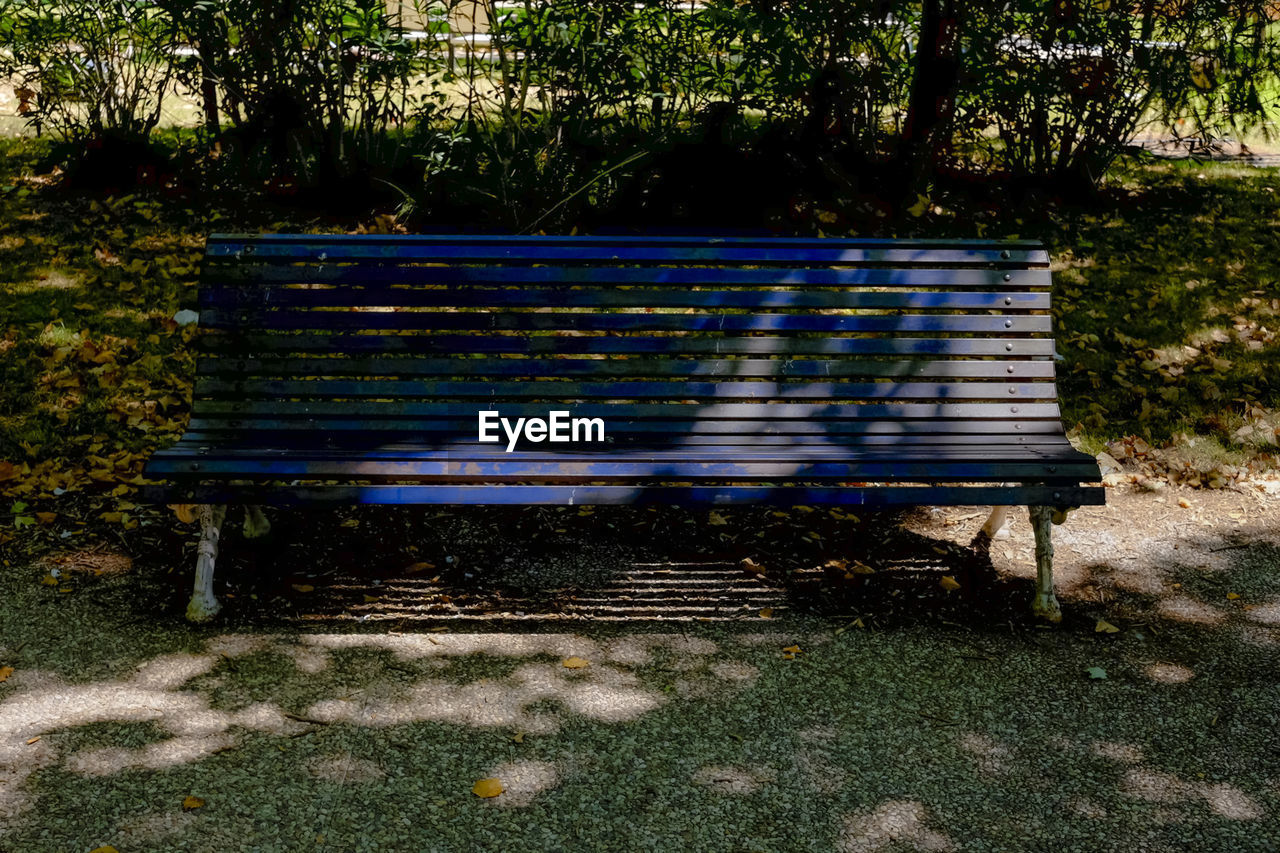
x,y
995,527
1045,605
204,606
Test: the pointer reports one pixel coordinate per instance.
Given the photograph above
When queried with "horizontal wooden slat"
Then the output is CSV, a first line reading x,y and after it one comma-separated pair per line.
x,y
870,496
253,275
584,321
570,367
542,452
241,344
934,470
281,297
598,250
618,412
197,443
623,390
335,426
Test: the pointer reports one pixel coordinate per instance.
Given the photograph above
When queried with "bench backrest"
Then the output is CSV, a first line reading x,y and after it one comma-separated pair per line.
x,y
714,340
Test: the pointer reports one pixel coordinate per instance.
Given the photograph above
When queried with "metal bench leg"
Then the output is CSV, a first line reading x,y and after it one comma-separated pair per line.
x,y
256,524
204,606
1045,605
995,528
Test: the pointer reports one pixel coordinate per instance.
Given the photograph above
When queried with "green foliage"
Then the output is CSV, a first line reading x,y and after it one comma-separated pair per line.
x,y
88,69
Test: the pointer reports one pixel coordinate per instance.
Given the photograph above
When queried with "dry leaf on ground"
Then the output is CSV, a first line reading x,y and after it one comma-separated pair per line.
x,y
487,788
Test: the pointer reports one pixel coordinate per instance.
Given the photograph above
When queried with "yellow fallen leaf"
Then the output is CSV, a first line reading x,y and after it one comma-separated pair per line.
x,y
192,803
788,656
185,512
518,737
487,788
46,517
113,517
9,471
350,522
750,566
1232,596
575,663
949,583
716,519
5,672
303,587
418,568
1105,627
34,739
370,599
48,580
106,848
792,650
766,612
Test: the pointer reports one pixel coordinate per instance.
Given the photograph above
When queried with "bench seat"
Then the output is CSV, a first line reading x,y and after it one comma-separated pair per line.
x,y
353,369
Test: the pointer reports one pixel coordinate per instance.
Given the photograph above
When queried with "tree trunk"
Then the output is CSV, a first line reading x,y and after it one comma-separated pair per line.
x,y
932,99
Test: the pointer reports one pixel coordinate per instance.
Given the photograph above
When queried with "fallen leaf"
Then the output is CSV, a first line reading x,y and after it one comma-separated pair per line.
x,y
1232,596
1105,627
575,663
792,650
371,599
350,522
766,612
5,672
34,739
185,512
1184,503
303,587
1096,672
751,566
192,803
487,788
518,737
716,519
48,580
949,583
9,471
106,848
46,517
418,568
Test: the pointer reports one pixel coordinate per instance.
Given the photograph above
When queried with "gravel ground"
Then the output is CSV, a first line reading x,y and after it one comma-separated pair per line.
x,y
356,710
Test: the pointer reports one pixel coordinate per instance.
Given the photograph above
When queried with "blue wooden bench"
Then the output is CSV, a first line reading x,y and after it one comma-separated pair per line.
x,y
340,370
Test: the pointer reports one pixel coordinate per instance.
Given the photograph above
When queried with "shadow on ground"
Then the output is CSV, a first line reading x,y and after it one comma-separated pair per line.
x,y
346,704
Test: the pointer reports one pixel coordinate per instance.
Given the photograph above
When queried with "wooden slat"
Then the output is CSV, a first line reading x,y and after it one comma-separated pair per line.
x,y
934,470
196,443
542,452
281,297
634,495
372,410
623,390
252,275
335,425
493,320
571,367
583,250
241,344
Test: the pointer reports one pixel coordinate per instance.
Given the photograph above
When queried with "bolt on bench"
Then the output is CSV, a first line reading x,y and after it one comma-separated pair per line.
x,y
357,369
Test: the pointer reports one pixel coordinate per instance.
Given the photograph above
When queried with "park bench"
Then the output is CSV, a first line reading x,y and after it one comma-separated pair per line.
x,y
871,373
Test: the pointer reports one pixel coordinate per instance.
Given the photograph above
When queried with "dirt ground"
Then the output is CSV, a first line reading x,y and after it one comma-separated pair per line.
x,y
633,686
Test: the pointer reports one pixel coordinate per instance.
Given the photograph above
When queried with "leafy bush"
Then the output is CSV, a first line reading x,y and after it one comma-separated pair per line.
x,y
88,70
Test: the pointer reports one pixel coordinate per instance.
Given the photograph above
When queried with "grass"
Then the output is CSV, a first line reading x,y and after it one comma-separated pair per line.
x,y
1167,311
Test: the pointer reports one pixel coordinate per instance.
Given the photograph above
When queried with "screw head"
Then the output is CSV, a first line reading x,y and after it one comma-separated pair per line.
x,y
1008,300
1005,254
1009,347
1008,324
1008,277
